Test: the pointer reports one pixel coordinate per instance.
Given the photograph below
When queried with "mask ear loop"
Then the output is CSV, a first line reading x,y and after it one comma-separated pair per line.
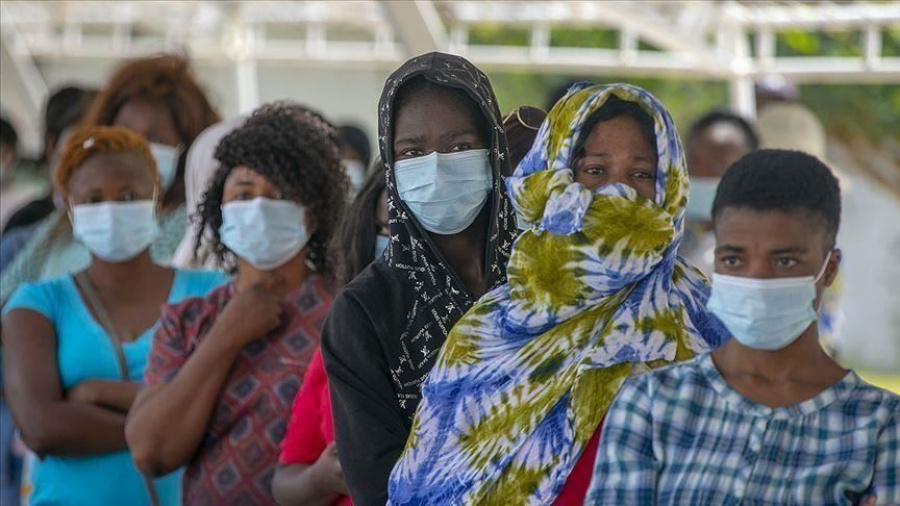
x,y
819,278
821,273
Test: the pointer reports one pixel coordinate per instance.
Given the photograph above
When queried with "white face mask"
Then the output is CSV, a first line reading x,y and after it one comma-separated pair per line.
x,y
266,233
445,191
356,173
765,314
115,231
701,198
166,163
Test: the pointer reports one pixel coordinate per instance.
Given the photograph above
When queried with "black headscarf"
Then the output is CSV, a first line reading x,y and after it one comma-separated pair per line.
x,y
442,297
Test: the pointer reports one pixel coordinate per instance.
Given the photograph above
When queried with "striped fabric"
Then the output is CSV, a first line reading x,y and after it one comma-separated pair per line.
x,y
681,435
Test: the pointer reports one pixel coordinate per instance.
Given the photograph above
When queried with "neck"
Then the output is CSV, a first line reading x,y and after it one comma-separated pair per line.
x,y
294,273
110,275
802,360
465,253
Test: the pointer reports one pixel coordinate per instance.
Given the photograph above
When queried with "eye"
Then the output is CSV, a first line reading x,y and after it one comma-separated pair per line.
x,y
94,199
411,153
244,195
594,170
731,261
785,262
642,174
462,146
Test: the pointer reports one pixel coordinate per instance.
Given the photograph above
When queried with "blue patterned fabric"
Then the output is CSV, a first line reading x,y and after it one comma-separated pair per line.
x,y
681,435
594,287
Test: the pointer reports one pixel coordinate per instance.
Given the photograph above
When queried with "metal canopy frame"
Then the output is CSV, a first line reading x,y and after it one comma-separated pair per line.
x,y
726,40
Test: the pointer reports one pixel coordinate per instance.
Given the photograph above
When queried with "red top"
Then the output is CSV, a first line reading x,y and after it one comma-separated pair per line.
x,y
239,452
312,427
576,487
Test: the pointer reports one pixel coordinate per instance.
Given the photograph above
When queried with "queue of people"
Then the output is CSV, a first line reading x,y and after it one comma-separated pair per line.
x,y
495,309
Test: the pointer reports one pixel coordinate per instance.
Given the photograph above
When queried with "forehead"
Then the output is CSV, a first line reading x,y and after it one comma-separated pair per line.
x,y
721,133
621,131
142,114
743,226
438,106
111,167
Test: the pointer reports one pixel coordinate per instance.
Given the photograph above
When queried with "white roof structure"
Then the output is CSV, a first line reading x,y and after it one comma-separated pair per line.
x,y
722,40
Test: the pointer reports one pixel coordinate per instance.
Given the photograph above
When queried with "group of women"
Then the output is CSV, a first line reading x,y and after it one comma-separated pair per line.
x,y
456,335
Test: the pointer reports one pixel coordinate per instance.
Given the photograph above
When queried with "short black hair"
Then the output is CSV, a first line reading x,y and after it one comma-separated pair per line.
x,y
8,134
781,180
296,150
66,107
715,117
421,84
356,138
613,108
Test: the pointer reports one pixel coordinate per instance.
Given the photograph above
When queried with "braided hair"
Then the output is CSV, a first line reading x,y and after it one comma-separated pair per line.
x,y
296,150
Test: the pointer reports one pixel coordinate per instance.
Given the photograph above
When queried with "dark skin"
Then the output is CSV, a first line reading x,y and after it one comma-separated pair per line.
x,y
777,244
381,215
152,119
435,121
168,421
712,150
90,418
616,152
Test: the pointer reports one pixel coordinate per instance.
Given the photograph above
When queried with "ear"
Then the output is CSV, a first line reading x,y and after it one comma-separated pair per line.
x,y
312,224
834,264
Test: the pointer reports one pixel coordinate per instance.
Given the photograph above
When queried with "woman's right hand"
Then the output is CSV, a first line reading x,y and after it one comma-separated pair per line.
x,y
253,312
328,468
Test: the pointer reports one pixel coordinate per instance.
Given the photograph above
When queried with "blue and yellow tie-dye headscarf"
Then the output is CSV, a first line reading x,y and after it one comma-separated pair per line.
x,y
594,286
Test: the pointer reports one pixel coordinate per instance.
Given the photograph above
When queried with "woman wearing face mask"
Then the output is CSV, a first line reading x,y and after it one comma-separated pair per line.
x,y
200,168
364,234
511,411
225,369
75,347
769,418
309,471
159,99
451,227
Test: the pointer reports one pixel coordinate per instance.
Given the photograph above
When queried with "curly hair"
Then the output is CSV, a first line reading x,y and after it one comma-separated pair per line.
x,y
90,141
296,150
354,244
164,77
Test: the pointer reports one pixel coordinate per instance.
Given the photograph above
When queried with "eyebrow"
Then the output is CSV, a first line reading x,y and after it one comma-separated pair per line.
x,y
410,140
606,155
728,248
453,134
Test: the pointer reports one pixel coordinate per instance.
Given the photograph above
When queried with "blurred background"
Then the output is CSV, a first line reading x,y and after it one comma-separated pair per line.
x,y
837,62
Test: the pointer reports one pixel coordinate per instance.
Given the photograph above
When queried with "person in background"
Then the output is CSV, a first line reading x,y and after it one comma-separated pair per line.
x,y
521,126
451,229
356,155
75,347
769,418
511,412
714,142
16,189
364,234
194,250
159,99
225,369
62,114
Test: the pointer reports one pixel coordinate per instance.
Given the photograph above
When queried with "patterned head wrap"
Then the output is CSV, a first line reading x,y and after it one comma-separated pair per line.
x,y
442,298
595,286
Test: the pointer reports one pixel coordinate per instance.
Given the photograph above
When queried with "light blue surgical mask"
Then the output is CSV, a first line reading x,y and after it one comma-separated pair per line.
x,y
381,244
765,314
702,196
166,163
356,174
115,231
266,233
445,191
